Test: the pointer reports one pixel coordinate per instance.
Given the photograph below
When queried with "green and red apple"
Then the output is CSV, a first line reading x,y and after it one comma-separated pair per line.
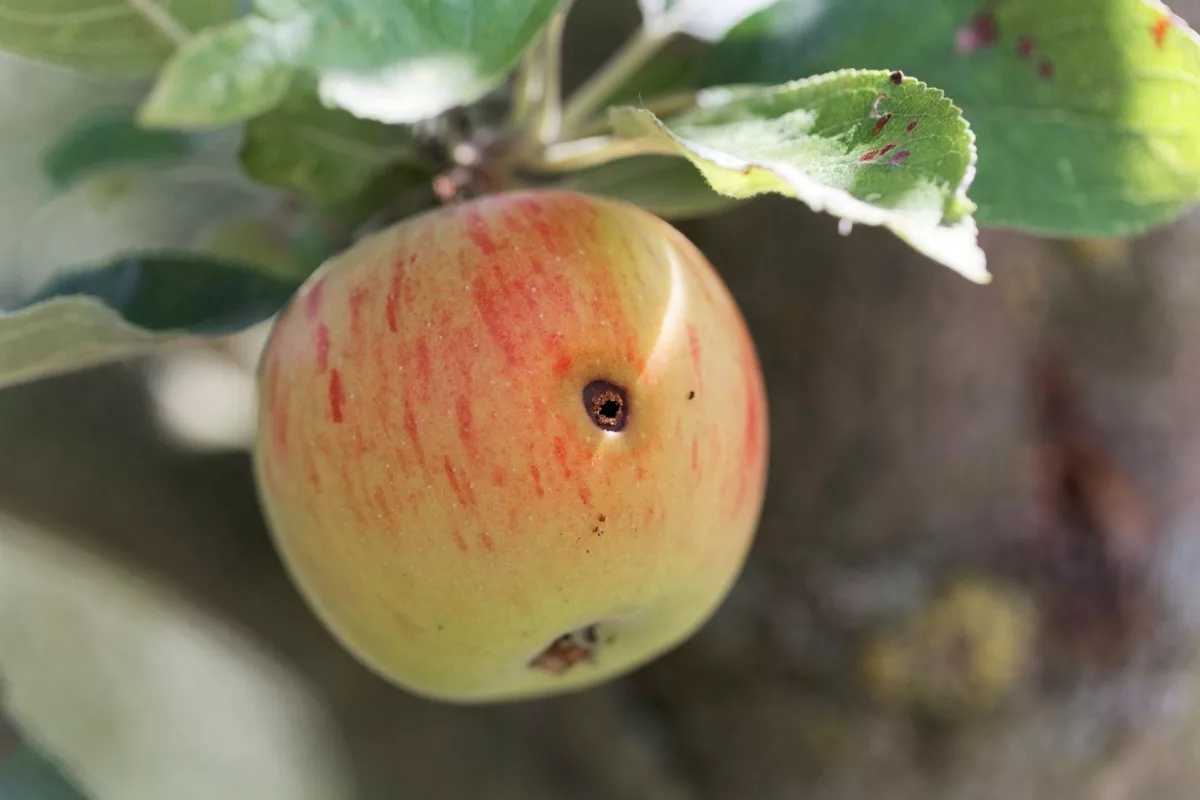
x,y
515,446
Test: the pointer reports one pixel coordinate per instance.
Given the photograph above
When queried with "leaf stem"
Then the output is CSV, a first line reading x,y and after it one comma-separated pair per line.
x,y
161,20
583,153
537,101
643,45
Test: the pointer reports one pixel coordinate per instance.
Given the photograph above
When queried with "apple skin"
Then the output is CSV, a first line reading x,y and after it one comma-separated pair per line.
x,y
435,482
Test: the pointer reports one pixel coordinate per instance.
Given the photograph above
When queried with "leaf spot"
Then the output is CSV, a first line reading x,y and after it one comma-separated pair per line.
x,y
1046,69
912,126
978,34
897,77
900,158
881,124
1025,47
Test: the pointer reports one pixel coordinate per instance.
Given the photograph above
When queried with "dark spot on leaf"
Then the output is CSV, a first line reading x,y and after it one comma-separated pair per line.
x,y
980,32
897,77
606,404
899,158
1046,69
881,124
1025,47
870,155
890,147
912,126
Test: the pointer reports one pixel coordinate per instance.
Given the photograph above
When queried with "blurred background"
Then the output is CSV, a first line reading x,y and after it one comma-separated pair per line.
x,y
976,575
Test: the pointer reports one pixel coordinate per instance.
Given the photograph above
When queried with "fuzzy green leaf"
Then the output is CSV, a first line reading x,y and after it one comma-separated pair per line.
x,y
106,37
105,139
222,76
323,153
1083,109
852,143
88,317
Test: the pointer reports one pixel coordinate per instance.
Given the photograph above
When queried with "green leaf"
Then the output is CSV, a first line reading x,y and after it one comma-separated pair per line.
x,y
406,60
131,306
26,774
1083,109
107,138
323,153
852,143
222,76
667,186
106,37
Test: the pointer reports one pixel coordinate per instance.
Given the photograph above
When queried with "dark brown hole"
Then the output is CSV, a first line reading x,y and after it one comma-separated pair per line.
x,y
606,404
568,650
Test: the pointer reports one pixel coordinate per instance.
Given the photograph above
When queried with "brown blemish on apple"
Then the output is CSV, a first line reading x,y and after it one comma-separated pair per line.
x,y
488,544
607,405
585,495
568,650
537,480
337,397
498,477
459,542
602,518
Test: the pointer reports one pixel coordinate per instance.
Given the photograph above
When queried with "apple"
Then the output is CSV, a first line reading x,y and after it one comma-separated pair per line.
x,y
513,447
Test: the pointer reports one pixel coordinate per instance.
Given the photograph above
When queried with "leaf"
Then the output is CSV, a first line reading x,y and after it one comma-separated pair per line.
x,y
852,143
324,153
222,76
106,37
1082,108
704,19
130,306
405,60
26,774
667,186
106,138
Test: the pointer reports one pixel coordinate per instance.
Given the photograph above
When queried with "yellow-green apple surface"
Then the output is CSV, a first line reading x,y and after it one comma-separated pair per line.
x,y
514,446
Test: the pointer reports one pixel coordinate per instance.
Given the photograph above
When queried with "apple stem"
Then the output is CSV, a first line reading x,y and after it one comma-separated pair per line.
x,y
583,153
643,45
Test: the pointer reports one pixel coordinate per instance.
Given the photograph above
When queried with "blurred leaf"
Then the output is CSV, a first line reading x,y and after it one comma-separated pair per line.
x,y
705,19
25,774
324,153
258,242
104,139
662,75
1081,107
667,186
405,60
222,76
106,37
390,60
852,143
85,318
